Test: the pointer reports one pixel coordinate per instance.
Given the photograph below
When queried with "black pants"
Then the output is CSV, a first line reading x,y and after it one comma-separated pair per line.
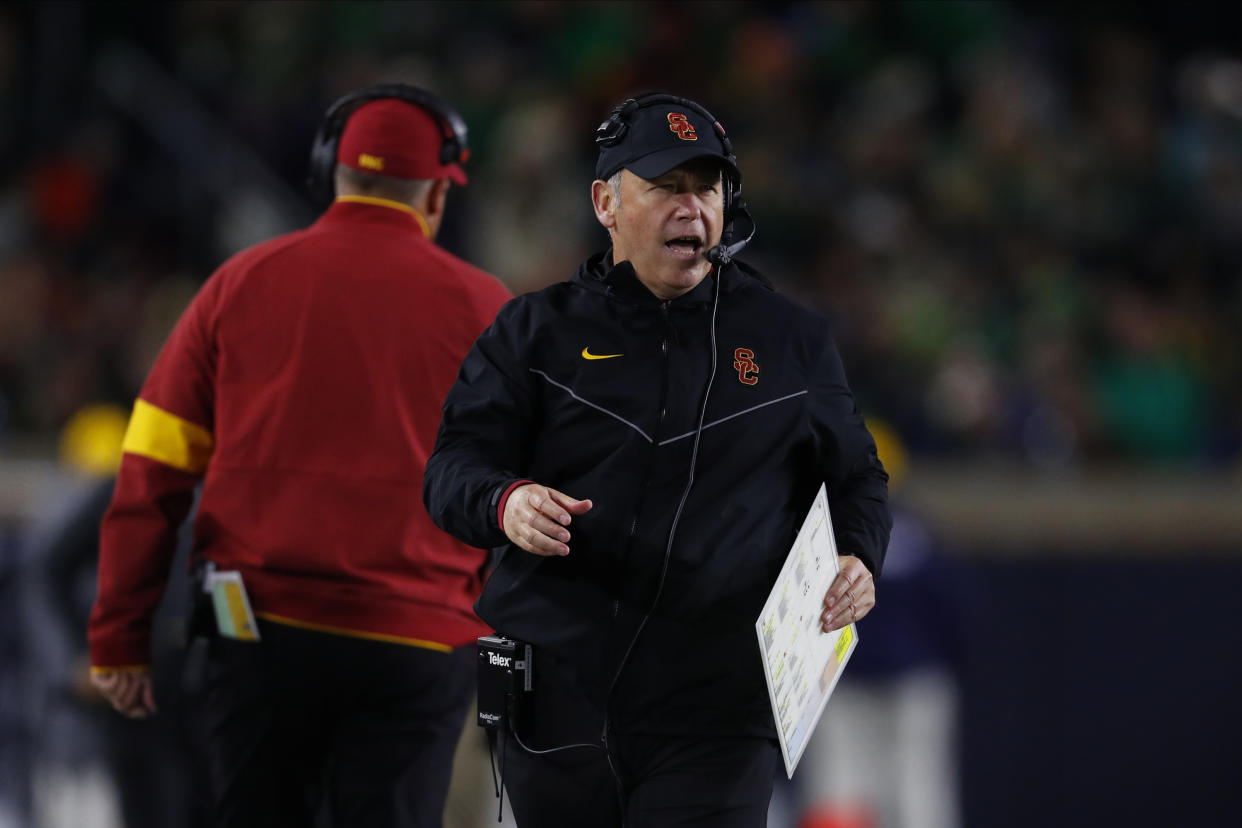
x,y
640,781
156,763
307,729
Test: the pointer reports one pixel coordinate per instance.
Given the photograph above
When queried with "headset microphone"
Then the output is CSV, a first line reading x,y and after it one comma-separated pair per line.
x,y
722,254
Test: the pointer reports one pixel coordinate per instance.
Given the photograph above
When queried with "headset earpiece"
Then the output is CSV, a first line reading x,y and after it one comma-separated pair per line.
x,y
614,127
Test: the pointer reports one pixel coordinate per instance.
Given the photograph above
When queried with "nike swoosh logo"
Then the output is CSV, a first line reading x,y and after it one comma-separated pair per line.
x,y
586,354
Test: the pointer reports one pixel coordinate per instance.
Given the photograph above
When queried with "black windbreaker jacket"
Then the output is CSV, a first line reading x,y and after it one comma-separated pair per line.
x,y
595,387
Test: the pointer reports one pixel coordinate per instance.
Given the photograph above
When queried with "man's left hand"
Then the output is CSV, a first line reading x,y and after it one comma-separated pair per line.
x,y
850,596
128,691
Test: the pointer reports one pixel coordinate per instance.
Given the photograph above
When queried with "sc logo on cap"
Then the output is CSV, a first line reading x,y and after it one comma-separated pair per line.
x,y
685,130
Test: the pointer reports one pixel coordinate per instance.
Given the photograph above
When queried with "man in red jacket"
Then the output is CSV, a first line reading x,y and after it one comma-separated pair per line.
x,y
302,388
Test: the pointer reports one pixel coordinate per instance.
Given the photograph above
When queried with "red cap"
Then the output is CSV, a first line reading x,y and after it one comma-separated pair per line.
x,y
393,137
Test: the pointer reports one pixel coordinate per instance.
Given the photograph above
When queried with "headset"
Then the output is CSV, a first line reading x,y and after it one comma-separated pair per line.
x,y
617,124
453,150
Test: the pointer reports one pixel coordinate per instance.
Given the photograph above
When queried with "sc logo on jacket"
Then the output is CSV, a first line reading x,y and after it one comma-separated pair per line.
x,y
746,367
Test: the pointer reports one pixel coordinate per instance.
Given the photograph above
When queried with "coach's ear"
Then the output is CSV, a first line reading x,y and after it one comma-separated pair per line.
x,y
431,205
604,200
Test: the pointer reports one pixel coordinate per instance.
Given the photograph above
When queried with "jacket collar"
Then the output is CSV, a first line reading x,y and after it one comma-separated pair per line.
x,y
599,274
374,211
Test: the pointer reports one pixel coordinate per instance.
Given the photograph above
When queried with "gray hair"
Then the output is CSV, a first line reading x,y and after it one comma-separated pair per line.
x,y
361,182
614,183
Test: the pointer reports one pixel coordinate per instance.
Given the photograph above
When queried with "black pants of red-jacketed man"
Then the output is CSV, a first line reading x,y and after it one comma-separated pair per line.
x,y
306,728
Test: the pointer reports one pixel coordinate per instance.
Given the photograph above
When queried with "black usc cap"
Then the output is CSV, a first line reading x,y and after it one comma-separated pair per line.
x,y
652,134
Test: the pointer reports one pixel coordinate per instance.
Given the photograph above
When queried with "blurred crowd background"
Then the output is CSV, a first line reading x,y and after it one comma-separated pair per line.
x,y
1023,219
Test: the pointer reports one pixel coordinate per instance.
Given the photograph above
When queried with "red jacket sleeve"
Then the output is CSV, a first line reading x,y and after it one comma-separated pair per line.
x,y
167,447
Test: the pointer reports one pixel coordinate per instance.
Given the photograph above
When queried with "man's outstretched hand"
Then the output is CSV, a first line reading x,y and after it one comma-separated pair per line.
x,y
536,518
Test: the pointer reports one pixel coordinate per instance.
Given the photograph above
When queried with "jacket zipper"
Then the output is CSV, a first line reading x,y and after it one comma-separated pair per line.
x,y
616,604
663,411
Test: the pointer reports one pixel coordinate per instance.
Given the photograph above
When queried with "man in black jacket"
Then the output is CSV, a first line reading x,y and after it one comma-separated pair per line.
x,y
695,412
